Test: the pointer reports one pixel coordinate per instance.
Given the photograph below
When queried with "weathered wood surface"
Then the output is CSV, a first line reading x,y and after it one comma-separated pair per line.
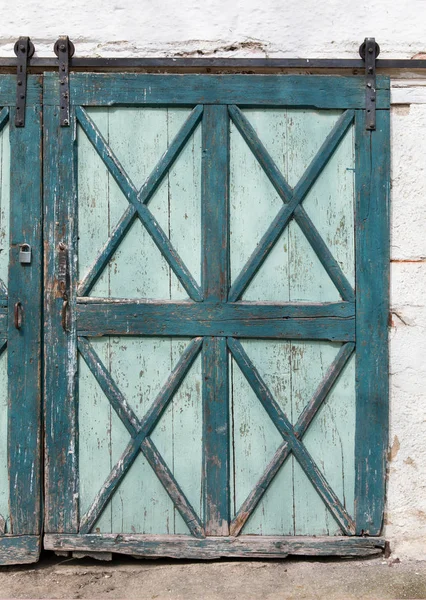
x,y
60,346
20,549
284,450
216,547
8,90
244,90
292,204
130,192
140,441
24,345
292,370
140,366
372,380
329,321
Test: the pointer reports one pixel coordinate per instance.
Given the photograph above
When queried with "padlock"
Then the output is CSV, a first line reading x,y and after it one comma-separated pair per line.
x,y
25,254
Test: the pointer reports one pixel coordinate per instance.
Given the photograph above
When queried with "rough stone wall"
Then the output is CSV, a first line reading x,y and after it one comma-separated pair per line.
x,y
293,28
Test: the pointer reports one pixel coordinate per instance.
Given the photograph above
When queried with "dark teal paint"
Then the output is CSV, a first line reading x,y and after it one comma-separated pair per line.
x,y
120,89
60,348
372,309
334,322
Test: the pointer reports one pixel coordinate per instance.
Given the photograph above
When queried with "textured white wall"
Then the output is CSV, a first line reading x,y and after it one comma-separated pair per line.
x,y
309,28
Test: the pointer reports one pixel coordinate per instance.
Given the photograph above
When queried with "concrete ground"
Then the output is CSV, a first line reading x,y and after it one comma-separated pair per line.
x,y
58,577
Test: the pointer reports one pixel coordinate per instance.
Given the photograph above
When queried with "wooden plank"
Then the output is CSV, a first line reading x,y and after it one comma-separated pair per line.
x,y
60,348
19,550
215,204
24,344
285,428
216,547
4,209
302,424
334,321
8,90
245,90
372,288
292,204
216,436
127,187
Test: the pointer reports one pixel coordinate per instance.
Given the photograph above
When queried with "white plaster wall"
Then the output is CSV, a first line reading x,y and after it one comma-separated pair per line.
x,y
291,28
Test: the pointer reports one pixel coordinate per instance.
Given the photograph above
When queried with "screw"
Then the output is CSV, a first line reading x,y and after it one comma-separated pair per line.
x,y
20,122
19,82
370,50
62,67
372,125
62,47
62,82
369,85
370,69
66,122
22,96
22,48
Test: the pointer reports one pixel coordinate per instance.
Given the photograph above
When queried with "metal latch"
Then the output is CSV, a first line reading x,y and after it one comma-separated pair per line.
x,y
24,49
25,254
64,50
369,51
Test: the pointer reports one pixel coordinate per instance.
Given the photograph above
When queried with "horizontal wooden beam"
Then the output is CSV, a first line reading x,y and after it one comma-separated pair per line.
x,y
331,321
111,89
183,546
19,549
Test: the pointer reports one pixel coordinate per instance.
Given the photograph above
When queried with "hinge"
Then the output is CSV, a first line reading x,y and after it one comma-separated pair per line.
x,y
24,49
64,50
369,51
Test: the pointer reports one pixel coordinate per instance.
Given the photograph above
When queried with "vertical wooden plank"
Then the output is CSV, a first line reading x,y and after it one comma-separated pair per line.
x,y
24,344
216,436
94,410
215,200
372,306
60,364
184,195
215,282
4,265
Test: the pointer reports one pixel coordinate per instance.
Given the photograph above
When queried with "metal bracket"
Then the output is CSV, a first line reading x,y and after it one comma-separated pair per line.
x,y
369,51
24,49
64,50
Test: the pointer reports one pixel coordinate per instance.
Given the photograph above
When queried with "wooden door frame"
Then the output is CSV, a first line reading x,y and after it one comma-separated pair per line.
x,y
21,544
371,307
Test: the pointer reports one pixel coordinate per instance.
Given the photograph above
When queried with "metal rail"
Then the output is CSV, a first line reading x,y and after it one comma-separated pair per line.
x,y
241,64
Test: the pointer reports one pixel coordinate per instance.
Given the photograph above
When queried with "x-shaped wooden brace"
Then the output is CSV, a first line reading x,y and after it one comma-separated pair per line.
x,y
140,440
292,199
138,202
292,436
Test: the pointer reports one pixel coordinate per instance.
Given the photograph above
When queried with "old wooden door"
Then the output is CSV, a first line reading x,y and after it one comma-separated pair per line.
x,y
20,324
216,308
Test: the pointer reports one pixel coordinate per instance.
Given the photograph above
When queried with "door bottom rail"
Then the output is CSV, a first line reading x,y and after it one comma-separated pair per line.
x,y
184,546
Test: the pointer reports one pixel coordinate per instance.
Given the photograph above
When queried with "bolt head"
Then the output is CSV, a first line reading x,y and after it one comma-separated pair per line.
x,y
22,96
66,122
20,122
22,48
19,82
370,50
62,47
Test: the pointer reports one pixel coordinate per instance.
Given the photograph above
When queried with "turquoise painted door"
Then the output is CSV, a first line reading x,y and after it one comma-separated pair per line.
x,y
20,325
215,319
